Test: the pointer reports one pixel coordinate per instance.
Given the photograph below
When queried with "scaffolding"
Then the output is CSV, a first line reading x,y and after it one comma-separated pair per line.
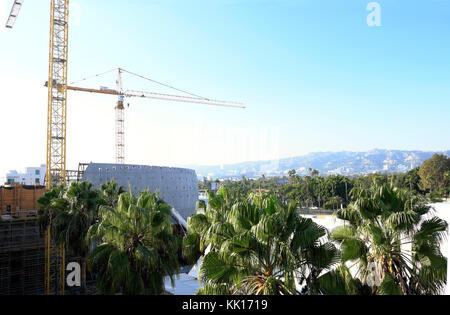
x,y
30,263
76,176
21,257
71,177
19,201
81,170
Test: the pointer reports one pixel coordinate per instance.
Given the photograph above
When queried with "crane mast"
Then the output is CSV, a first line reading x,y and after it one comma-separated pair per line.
x,y
120,121
57,93
122,94
57,111
56,115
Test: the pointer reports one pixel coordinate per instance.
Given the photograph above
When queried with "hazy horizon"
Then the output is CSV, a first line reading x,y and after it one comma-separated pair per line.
x,y
313,75
20,170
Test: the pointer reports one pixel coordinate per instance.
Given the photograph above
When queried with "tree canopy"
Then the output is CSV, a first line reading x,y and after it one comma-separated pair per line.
x,y
433,172
390,235
257,245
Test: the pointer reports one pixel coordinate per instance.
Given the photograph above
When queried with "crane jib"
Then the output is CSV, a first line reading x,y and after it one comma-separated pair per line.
x,y
57,93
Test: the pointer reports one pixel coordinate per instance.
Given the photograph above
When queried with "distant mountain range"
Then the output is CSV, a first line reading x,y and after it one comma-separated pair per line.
x,y
327,163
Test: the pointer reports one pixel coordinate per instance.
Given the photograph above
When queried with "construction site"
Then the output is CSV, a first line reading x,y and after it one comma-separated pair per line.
x,y
21,257
30,263
22,250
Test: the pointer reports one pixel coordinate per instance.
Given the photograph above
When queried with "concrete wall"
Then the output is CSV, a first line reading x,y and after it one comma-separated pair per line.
x,y
177,186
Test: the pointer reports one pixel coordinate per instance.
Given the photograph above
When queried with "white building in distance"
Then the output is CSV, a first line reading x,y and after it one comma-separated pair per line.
x,y
32,176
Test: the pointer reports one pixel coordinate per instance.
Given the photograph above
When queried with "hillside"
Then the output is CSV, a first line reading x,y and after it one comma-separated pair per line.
x,y
327,163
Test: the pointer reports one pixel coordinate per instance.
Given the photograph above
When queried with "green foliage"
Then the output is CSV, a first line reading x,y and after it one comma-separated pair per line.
x,y
70,211
49,207
389,286
330,192
111,192
381,223
433,172
257,245
340,282
138,248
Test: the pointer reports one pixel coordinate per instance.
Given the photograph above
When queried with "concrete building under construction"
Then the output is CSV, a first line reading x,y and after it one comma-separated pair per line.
x,y
23,249
21,241
176,186
18,201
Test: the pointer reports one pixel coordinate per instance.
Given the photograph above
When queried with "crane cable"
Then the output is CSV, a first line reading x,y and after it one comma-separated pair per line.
x,y
165,85
142,77
93,76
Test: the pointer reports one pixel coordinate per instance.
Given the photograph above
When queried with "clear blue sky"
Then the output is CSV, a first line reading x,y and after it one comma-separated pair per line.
x,y
312,71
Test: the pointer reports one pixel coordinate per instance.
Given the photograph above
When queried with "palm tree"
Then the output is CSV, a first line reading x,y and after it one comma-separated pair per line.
x,y
257,246
390,234
70,214
341,282
47,207
138,249
111,192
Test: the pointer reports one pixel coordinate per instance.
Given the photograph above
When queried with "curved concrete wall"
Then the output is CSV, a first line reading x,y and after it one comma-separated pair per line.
x,y
177,186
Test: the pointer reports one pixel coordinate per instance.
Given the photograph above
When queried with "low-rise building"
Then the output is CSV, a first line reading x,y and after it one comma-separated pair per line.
x,y
32,176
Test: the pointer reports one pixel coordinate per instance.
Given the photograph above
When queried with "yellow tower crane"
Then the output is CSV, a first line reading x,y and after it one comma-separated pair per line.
x,y
57,94
57,109
122,94
57,89
56,113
